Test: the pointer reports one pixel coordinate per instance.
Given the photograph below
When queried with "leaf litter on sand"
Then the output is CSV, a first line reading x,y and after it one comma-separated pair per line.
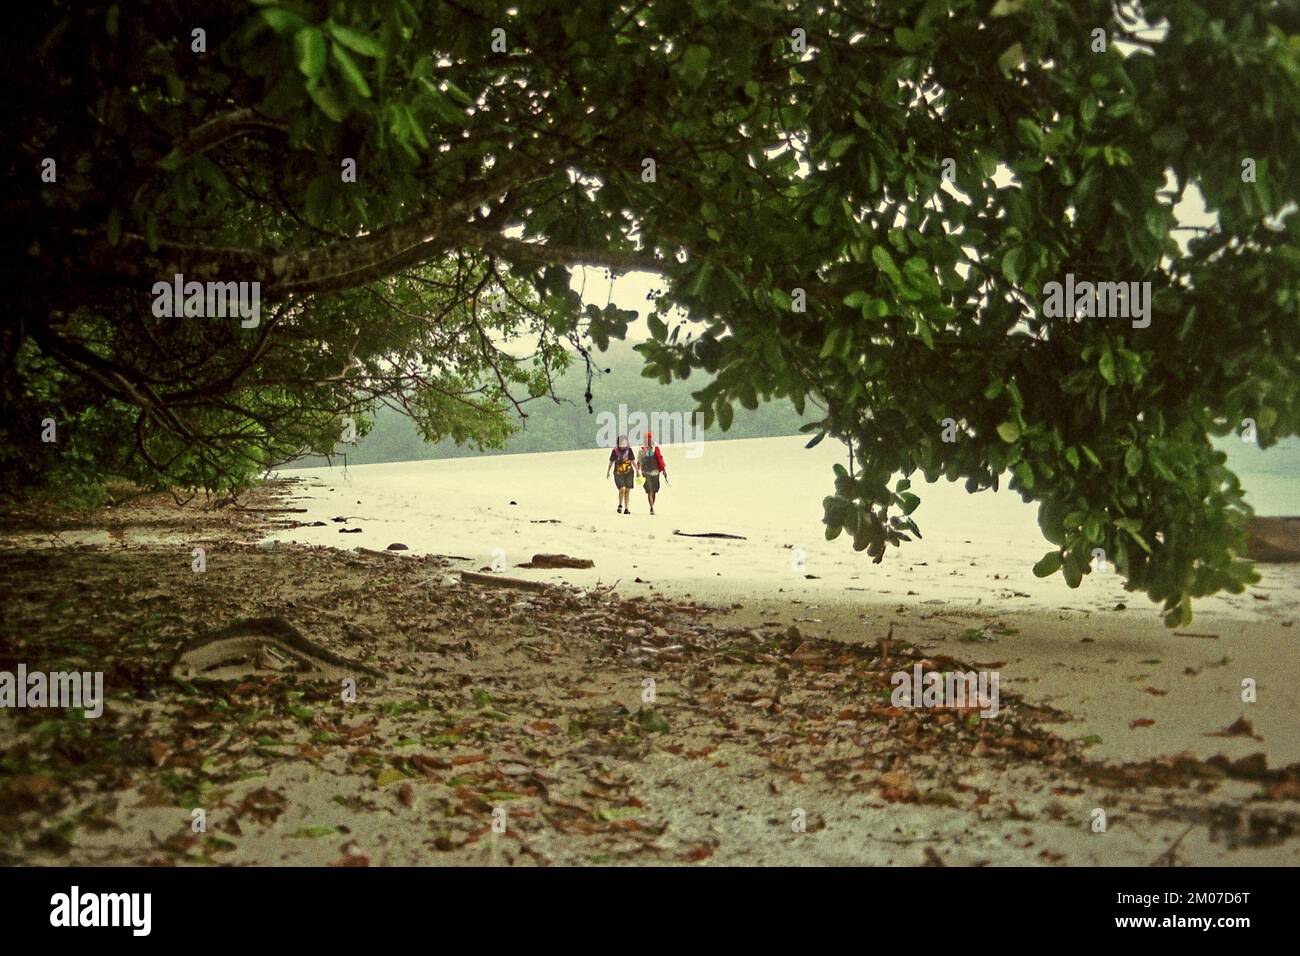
x,y
509,724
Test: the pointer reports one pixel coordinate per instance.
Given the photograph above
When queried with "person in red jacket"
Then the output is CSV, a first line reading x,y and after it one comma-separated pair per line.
x,y
651,465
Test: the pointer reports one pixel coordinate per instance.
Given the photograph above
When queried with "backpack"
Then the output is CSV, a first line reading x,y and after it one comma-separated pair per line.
x,y
649,463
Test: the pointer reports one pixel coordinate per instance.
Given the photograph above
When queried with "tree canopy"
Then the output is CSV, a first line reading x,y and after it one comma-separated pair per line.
x,y
857,205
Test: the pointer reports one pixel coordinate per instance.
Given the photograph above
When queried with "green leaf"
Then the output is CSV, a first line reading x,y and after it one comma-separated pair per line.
x,y
1073,573
841,145
1028,132
701,280
1138,538
309,44
695,63
314,831
1048,564
1009,432
875,309
885,262
1011,58
925,332
1088,110
283,21
725,413
355,41
832,342
1106,366
1012,264
909,40
1093,529
1005,8
328,102
459,95
612,814
1133,460
351,72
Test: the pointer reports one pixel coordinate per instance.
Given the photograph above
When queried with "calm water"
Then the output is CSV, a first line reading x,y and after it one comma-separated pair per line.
x,y
1271,478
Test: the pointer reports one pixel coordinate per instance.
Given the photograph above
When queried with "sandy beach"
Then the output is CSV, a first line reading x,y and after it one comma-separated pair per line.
x,y
966,587
770,685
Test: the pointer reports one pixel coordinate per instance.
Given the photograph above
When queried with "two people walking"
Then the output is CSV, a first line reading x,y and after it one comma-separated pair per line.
x,y
626,464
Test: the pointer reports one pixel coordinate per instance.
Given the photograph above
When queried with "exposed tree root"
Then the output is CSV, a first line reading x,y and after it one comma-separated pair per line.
x,y
259,645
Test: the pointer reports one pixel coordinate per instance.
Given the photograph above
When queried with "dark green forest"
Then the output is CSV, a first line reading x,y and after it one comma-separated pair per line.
x,y
564,423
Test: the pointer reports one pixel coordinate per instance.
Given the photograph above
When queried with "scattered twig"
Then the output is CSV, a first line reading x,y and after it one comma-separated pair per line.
x,y
1173,847
494,581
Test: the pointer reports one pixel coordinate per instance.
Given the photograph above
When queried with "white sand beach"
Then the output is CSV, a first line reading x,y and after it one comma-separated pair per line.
x,y
1099,652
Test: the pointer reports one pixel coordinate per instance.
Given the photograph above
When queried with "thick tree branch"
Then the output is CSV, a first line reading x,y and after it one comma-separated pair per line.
x,y
219,129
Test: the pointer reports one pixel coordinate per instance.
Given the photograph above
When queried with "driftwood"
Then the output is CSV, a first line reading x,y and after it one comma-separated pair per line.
x,y
266,642
712,534
495,581
557,561
376,554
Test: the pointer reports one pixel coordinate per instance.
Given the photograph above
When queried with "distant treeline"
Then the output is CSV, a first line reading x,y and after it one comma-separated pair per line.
x,y
568,426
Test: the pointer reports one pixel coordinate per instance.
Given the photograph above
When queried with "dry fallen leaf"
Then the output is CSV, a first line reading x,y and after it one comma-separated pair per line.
x,y
1241,727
